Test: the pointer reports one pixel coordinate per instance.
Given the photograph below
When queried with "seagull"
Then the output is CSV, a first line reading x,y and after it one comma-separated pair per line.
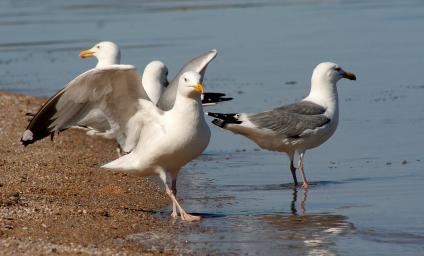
x,y
163,141
155,74
169,139
296,127
155,80
102,99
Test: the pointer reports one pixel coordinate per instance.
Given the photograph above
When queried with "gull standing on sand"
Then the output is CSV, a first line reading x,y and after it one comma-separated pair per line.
x,y
169,139
163,141
296,127
103,98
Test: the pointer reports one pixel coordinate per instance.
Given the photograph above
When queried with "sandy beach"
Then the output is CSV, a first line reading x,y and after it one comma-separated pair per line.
x,y
55,199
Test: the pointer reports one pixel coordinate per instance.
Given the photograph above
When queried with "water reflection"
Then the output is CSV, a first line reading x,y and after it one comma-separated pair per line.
x,y
294,233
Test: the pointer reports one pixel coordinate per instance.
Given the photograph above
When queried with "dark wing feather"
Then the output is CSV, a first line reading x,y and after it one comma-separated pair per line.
x,y
210,98
43,116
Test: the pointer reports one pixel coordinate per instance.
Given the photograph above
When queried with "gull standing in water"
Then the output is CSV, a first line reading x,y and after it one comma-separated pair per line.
x,y
297,127
169,139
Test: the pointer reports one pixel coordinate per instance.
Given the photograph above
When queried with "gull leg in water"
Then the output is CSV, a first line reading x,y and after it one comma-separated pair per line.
x,y
295,127
300,164
184,215
293,170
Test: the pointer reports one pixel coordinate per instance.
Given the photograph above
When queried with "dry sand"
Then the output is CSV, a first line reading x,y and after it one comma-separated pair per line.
x,y
54,199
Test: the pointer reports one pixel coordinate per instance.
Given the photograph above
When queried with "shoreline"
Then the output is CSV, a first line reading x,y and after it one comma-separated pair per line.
x,y
54,199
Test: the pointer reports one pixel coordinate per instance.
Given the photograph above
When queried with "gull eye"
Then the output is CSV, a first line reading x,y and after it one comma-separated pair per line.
x,y
185,80
98,47
337,69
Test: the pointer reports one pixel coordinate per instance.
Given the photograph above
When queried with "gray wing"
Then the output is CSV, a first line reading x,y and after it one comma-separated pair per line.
x,y
286,124
95,120
303,107
114,90
198,65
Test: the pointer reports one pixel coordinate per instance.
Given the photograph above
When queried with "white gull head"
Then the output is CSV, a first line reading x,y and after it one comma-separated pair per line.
x,y
323,83
190,85
155,79
107,53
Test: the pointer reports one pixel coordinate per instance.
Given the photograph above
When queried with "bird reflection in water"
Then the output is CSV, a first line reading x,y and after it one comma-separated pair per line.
x,y
302,202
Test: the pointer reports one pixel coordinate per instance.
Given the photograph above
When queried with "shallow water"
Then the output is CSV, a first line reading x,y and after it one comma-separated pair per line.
x,y
366,191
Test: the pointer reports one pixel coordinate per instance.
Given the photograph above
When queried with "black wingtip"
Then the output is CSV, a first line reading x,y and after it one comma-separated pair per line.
x,y
26,143
214,97
228,118
219,122
27,138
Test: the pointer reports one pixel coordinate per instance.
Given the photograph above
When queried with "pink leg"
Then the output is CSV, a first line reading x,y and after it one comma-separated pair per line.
x,y
300,165
184,215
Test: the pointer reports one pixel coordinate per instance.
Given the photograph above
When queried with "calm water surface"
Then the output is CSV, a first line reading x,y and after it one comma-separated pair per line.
x,y
366,193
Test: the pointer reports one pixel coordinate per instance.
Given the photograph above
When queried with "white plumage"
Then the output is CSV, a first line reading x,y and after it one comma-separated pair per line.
x,y
104,99
296,127
169,139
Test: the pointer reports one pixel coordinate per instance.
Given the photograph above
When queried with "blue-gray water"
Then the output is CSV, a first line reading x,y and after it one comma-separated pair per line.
x,y
366,193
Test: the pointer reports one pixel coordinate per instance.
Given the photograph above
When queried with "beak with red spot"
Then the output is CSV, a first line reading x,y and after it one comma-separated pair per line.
x,y
86,54
199,88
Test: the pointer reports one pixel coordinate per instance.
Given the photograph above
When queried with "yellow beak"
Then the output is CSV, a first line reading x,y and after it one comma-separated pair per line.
x,y
86,54
350,76
199,88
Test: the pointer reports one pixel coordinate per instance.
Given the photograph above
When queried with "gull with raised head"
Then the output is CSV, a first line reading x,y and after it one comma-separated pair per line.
x,y
296,127
169,139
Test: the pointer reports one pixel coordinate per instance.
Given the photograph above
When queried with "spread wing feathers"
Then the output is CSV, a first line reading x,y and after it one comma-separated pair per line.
x,y
95,120
286,124
198,65
113,90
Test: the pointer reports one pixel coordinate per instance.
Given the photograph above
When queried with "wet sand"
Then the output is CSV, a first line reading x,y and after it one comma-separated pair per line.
x,y
54,198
